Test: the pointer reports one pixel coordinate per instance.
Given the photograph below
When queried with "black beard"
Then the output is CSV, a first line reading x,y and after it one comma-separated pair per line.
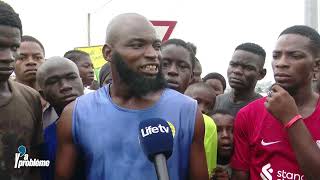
x,y
138,85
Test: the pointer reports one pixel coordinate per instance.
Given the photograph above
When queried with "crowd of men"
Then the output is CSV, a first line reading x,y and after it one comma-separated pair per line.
x,y
52,110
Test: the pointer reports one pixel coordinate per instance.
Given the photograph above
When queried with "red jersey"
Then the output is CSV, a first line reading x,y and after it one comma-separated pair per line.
x,y
261,143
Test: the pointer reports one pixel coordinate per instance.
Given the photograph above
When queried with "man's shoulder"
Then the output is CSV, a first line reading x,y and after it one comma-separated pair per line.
x,y
223,96
24,90
27,97
172,100
256,96
250,118
92,94
172,95
209,122
222,100
255,106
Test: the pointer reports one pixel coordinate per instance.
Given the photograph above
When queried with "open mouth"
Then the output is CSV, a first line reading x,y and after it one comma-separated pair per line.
x,y
150,69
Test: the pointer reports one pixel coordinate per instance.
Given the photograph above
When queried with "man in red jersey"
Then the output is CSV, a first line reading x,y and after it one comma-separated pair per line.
x,y
278,137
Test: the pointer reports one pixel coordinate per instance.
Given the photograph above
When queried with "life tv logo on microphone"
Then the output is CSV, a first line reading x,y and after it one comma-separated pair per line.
x,y
156,140
154,130
25,161
158,129
156,136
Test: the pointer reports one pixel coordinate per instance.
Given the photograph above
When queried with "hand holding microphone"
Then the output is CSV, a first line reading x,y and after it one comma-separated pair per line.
x,y
156,140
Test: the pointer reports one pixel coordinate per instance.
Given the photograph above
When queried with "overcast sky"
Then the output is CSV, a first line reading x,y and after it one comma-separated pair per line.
x,y
216,27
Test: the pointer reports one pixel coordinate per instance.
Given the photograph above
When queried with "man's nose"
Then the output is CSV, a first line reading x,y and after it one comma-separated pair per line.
x,y
7,55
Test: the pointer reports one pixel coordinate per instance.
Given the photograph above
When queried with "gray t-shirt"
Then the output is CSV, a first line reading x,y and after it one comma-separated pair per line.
x,y
224,102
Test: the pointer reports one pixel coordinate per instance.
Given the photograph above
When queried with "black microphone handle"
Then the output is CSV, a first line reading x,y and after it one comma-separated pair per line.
x,y
160,164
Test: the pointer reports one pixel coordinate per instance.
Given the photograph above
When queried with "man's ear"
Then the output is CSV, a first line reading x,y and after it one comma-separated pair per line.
x,y
316,69
106,51
191,78
262,73
314,76
316,65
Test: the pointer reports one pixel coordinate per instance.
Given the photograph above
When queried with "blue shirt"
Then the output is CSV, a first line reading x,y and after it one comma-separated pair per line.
x,y
107,134
50,147
49,153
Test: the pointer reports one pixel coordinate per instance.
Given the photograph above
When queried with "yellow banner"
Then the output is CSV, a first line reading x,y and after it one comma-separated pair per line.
x,y
95,55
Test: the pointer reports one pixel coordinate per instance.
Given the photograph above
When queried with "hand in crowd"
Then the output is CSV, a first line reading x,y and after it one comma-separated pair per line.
x,y
281,104
220,174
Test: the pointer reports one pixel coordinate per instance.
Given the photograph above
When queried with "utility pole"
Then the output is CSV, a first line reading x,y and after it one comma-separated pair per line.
x,y
89,20
89,33
311,13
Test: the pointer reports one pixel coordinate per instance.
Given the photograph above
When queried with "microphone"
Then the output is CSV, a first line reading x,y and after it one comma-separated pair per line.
x,y
156,140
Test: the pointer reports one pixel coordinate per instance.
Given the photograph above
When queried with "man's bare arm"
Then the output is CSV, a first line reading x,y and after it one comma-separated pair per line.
x,y
66,150
306,150
198,163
